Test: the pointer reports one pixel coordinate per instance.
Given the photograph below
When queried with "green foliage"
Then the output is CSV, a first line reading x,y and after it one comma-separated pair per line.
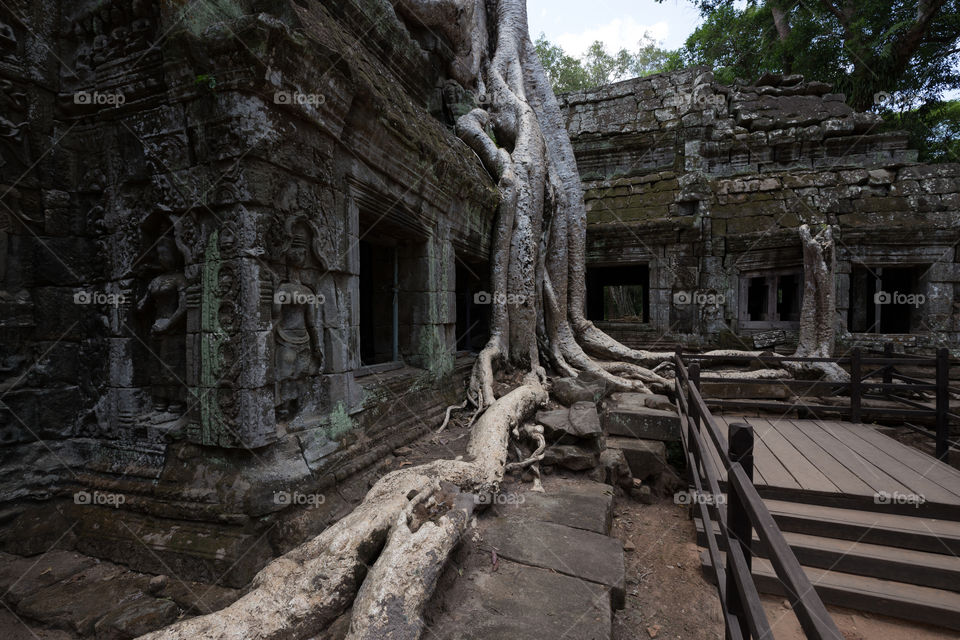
x,y
598,67
207,80
865,48
878,46
934,129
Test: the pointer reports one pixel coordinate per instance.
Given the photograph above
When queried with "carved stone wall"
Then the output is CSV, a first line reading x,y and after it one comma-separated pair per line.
x,y
182,187
706,185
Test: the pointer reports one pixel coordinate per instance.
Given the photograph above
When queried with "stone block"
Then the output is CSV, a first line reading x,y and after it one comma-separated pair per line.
x,y
571,457
733,389
575,425
646,457
626,414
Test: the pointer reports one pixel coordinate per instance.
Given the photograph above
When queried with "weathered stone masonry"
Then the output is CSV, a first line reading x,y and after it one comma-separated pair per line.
x,y
180,266
703,186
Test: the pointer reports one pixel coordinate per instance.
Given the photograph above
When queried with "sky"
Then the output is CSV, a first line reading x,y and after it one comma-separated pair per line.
x,y
575,24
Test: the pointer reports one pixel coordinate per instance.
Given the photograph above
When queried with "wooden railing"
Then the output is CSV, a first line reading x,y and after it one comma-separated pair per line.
x,y
743,513
930,421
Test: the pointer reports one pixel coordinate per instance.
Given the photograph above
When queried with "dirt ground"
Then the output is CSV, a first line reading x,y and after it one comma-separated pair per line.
x,y
668,596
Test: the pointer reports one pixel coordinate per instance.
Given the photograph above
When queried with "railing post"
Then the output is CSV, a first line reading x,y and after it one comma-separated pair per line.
x,y
739,528
943,403
855,379
694,373
887,370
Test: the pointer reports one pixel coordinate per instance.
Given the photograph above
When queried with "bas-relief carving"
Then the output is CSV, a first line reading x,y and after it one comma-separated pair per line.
x,y
165,303
296,316
111,31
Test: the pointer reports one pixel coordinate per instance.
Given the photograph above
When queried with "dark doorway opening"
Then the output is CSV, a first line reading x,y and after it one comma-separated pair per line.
x,y
757,300
378,303
473,305
619,293
885,299
788,297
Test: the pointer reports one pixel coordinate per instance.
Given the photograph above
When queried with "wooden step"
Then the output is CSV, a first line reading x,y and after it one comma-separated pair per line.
x,y
884,597
938,571
888,529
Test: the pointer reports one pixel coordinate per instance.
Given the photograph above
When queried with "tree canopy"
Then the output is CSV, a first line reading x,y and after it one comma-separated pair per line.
x,y
598,67
863,47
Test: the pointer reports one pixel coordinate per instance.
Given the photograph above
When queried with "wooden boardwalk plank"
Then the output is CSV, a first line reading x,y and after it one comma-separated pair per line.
x,y
844,479
869,474
793,458
903,474
927,466
764,460
761,468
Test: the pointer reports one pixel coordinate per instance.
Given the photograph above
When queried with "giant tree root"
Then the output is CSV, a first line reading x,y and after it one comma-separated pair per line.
x,y
406,526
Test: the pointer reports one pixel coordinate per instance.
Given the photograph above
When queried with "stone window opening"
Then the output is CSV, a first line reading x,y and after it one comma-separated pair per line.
x,y
619,293
771,299
886,299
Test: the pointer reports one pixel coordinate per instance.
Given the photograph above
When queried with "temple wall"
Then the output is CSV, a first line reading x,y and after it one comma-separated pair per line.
x,y
700,187
186,200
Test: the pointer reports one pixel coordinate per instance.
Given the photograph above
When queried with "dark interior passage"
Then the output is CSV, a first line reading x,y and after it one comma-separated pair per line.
x,y
473,307
378,339
619,293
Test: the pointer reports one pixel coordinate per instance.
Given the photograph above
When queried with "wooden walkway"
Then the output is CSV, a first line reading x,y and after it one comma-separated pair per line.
x,y
874,523
849,465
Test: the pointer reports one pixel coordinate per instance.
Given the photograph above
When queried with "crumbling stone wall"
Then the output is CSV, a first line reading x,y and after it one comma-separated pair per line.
x,y
706,184
184,187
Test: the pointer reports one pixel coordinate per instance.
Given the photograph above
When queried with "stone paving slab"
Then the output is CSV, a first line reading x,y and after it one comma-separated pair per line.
x,y
518,602
540,568
22,576
583,506
574,552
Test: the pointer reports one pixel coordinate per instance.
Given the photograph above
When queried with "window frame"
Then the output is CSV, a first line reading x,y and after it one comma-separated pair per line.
x,y
772,277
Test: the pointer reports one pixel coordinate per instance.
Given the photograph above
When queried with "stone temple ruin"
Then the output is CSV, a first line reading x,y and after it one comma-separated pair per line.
x,y
712,182
238,257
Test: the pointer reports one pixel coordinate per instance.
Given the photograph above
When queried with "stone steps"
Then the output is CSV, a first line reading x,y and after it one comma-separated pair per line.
x,y
540,567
